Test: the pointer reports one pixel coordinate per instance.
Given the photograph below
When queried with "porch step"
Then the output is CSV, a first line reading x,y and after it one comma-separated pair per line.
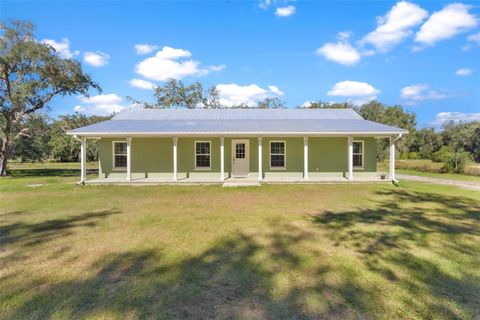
x,y
241,184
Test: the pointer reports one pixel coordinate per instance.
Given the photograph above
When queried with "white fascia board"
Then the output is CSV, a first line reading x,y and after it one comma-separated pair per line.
x,y
236,134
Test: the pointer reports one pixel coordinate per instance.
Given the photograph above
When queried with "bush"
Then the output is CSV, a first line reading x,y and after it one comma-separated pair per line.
x,y
404,156
455,162
442,154
413,156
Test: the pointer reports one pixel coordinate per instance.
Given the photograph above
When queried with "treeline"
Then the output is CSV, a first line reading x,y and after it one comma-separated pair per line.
x,y
457,144
39,137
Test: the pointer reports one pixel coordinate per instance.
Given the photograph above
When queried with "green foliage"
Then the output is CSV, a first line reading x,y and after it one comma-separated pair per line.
x,y
32,143
426,141
413,156
404,156
456,161
390,115
32,75
271,103
442,154
174,93
65,148
327,105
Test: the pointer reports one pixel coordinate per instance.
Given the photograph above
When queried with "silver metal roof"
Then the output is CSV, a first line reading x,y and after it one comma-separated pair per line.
x,y
236,114
152,122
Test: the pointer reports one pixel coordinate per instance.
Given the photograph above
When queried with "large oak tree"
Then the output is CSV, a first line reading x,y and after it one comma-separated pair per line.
x,y
31,75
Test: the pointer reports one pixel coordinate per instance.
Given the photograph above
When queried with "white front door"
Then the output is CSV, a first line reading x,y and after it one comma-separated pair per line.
x,y
240,158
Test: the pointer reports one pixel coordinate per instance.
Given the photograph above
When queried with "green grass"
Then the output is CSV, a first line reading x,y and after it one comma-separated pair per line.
x,y
369,251
424,168
447,176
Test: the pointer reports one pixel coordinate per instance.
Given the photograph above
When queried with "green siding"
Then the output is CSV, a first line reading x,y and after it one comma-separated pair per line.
x,y
154,156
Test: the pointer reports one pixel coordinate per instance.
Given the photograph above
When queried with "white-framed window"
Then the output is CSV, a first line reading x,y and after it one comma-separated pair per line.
x,y
202,155
119,154
277,155
358,152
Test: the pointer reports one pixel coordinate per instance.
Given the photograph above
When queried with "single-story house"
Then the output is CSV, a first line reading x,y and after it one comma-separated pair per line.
x,y
213,145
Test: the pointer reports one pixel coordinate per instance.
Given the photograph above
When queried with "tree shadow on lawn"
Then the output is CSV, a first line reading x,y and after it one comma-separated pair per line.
x,y
29,234
426,242
52,172
284,273
236,278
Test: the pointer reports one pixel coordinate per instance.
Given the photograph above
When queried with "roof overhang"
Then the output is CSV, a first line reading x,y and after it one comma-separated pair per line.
x,y
235,134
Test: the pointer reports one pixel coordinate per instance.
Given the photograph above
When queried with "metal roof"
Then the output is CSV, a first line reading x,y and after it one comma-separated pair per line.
x,y
235,114
151,122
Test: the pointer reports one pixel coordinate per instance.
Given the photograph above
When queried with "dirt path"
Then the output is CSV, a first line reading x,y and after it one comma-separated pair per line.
x,y
461,184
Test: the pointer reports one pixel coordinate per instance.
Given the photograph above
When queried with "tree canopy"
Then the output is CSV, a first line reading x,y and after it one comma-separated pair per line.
x,y
31,75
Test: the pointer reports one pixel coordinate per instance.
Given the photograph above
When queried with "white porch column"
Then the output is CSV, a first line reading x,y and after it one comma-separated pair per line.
x,y
260,169
305,158
83,159
222,158
392,158
129,159
175,158
350,158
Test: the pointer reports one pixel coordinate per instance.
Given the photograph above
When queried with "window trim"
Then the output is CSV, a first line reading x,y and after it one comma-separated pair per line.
x,y
284,155
195,155
114,167
362,142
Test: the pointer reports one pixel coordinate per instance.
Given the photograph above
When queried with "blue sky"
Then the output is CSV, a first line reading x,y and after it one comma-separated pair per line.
x,y
422,55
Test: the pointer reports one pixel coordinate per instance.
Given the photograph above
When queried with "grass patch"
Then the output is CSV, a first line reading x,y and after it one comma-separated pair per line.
x,y
427,168
372,251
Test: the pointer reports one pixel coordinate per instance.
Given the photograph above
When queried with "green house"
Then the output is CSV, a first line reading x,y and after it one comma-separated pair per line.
x,y
226,145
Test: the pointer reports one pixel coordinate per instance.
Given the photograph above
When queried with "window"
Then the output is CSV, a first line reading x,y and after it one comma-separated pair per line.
x,y
202,154
240,151
277,154
119,155
358,154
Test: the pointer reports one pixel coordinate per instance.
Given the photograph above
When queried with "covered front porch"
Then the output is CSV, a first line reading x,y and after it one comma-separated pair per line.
x,y
237,160
240,181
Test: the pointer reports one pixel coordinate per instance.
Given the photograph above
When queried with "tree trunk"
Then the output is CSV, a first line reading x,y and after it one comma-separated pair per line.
x,y
4,156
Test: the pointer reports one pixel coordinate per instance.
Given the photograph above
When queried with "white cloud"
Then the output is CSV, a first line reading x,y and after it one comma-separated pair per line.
x,y
264,4
395,26
96,59
341,52
172,63
420,92
463,72
233,94
216,68
285,11
474,37
145,48
276,90
103,104
444,117
446,23
354,91
141,84
62,47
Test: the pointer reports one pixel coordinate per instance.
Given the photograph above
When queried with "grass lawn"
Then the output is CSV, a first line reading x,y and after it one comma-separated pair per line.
x,y
368,251
383,167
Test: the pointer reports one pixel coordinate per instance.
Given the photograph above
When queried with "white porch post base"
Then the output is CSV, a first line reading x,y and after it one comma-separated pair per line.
x,y
222,158
350,158
305,158
392,159
260,169
175,158
129,159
